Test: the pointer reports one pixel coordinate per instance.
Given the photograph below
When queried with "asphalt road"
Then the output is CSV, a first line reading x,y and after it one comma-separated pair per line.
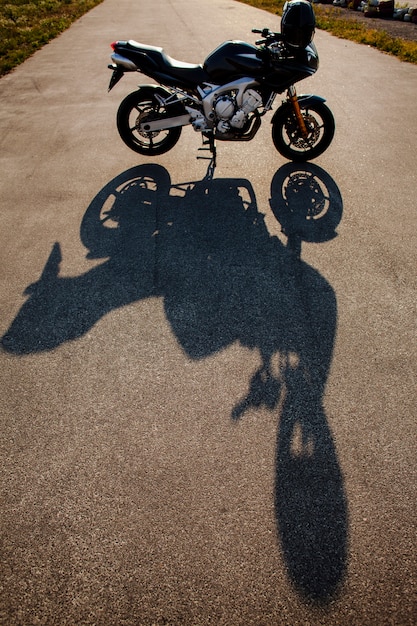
x,y
205,419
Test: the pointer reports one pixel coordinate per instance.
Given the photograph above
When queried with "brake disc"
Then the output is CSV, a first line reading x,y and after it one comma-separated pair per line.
x,y
294,132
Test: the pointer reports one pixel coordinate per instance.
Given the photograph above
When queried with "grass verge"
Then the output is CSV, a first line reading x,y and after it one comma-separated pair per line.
x,y
342,27
25,26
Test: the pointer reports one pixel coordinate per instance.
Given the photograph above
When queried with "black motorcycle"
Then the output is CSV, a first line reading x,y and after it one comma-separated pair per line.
x,y
225,97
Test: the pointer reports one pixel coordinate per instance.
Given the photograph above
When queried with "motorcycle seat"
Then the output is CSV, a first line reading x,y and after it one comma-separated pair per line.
x,y
189,73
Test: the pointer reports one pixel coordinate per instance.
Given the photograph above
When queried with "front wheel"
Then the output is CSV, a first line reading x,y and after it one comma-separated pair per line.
x,y
287,136
143,105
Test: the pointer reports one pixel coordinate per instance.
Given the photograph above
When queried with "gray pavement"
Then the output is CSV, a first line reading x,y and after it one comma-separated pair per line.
x,y
204,420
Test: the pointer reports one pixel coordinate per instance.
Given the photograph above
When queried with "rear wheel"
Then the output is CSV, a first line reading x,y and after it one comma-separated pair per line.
x,y
144,106
287,136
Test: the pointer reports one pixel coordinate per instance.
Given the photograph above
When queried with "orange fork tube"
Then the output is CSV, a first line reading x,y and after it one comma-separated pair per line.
x,y
292,94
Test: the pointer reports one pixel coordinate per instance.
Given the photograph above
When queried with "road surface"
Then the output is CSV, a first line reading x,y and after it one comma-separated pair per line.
x,y
208,405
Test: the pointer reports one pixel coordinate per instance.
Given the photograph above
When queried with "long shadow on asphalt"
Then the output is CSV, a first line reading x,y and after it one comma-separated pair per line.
x,y
204,248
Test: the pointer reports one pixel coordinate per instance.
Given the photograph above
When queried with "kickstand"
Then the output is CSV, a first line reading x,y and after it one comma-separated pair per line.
x,y
208,140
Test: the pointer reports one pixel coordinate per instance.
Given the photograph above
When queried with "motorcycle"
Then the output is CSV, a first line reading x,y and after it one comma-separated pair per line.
x,y
226,97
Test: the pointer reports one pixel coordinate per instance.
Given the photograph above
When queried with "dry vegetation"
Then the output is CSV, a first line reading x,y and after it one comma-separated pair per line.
x,y
27,26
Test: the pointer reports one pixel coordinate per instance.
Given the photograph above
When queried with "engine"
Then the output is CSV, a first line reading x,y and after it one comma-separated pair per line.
x,y
229,115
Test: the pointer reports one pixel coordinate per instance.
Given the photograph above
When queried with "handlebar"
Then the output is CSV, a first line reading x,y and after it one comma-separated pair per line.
x,y
269,36
264,32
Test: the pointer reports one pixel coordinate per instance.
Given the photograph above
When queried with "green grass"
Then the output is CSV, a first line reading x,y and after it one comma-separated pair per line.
x,y
25,26
333,22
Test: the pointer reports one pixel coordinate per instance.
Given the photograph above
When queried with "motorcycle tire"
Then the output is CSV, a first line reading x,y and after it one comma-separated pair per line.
x,y
143,105
287,137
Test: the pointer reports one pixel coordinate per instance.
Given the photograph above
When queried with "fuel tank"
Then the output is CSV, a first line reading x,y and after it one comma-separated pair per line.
x,y
232,60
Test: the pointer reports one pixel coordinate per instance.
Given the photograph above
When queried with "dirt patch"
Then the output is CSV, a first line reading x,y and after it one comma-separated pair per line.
x,y
395,28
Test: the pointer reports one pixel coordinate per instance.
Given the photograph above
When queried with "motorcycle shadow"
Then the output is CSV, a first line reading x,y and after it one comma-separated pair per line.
x,y
204,248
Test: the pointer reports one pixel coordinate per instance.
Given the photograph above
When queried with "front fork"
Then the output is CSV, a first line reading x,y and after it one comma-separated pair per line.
x,y
292,96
